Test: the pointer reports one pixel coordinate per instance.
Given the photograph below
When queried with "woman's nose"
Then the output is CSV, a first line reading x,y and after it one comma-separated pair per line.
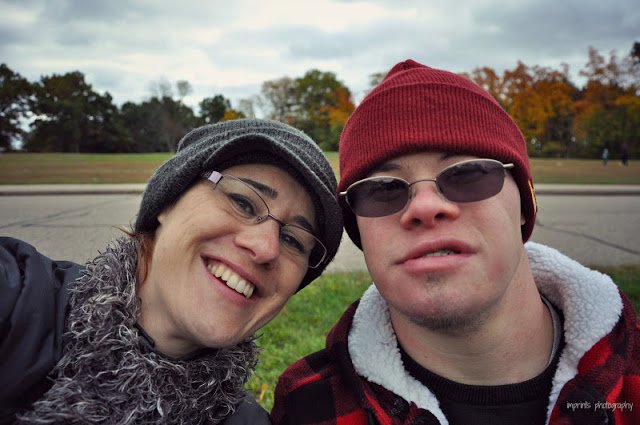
x,y
261,240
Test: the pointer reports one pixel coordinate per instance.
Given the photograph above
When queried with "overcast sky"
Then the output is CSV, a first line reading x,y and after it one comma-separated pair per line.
x,y
231,47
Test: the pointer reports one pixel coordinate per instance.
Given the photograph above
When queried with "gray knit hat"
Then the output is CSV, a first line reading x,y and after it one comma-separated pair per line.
x,y
205,148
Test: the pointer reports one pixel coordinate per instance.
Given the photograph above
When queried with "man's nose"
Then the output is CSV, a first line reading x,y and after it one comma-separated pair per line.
x,y
426,206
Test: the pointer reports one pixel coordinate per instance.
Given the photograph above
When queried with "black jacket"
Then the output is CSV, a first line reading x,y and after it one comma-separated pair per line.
x,y
34,297
33,300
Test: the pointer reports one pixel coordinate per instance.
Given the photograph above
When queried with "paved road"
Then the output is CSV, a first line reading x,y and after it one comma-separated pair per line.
x,y
594,229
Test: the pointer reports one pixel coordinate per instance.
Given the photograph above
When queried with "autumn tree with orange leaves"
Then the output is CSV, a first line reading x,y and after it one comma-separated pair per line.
x,y
539,99
317,103
608,112
556,117
559,119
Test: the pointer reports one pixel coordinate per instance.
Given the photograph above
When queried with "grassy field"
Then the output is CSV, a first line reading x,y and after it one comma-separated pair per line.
x,y
584,171
45,168
37,168
302,326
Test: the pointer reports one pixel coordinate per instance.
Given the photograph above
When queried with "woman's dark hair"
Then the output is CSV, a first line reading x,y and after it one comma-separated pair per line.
x,y
145,243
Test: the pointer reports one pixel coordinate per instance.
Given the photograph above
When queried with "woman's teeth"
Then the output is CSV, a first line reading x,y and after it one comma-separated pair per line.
x,y
232,279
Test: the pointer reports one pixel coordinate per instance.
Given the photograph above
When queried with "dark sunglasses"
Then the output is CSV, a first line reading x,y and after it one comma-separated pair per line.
x,y
466,181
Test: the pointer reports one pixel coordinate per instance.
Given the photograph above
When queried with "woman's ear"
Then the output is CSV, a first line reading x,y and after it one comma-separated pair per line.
x,y
522,220
161,216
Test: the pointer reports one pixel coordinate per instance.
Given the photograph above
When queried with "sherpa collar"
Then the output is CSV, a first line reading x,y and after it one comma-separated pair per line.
x,y
109,373
589,300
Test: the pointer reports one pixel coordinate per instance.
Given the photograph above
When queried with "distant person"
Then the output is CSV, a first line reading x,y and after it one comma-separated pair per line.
x,y
159,328
605,156
624,154
464,323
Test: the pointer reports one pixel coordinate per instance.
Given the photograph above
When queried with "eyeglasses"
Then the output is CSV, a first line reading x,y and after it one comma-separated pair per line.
x,y
249,207
466,181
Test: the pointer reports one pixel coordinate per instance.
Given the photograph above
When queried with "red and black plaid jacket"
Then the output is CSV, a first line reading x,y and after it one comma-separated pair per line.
x,y
325,389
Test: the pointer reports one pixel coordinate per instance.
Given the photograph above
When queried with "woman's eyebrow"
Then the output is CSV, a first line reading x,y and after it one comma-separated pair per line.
x,y
304,223
262,188
271,193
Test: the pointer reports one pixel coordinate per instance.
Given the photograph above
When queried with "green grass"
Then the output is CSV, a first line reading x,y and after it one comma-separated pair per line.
x,y
41,168
333,160
56,168
584,171
302,326
627,277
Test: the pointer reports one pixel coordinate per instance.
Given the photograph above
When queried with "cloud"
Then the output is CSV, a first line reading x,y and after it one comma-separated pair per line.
x,y
231,48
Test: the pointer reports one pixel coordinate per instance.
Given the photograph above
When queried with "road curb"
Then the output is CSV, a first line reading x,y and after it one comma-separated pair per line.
x,y
71,189
136,189
587,190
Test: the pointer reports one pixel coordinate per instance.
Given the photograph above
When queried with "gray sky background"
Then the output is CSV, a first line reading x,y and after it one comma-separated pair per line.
x,y
231,47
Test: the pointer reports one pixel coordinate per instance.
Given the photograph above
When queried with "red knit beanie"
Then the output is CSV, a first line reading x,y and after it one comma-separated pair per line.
x,y
417,108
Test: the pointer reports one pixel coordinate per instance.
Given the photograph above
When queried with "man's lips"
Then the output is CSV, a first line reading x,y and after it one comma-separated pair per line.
x,y
439,248
232,279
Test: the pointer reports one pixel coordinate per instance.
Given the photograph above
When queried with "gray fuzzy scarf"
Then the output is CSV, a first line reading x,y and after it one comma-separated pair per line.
x,y
109,373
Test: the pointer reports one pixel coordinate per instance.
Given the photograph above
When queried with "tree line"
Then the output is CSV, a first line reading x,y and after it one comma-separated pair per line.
x,y
65,114
557,118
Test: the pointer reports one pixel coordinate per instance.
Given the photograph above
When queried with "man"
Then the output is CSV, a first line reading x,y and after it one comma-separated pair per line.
x,y
464,323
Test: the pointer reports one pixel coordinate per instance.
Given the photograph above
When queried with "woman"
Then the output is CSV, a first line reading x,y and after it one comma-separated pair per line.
x,y
159,328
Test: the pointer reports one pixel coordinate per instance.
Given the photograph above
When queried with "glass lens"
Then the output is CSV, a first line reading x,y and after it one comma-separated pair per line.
x,y
243,199
302,243
471,181
247,204
378,196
